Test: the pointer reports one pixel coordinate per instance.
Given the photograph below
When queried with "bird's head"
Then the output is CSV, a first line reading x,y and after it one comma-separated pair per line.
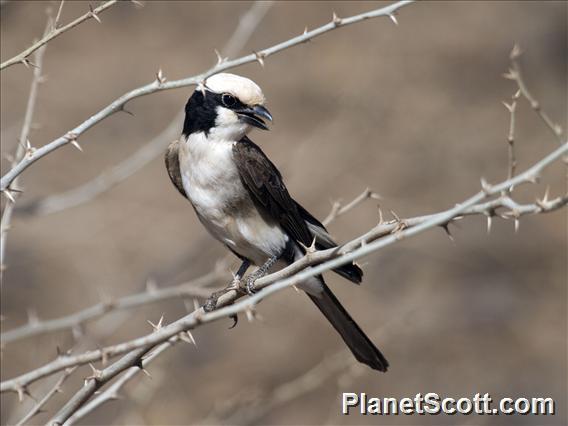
x,y
227,106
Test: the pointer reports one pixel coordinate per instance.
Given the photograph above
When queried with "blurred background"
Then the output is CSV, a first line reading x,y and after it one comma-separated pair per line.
x,y
412,111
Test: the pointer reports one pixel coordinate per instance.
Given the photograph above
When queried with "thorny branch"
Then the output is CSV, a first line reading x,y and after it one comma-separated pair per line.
x,y
314,263
516,75
160,84
112,392
37,408
189,289
24,147
54,32
108,179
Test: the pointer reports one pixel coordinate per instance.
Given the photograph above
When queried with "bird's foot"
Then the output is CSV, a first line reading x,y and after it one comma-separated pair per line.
x,y
211,302
250,284
250,287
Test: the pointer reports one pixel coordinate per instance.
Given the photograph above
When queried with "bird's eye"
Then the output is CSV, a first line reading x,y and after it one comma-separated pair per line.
x,y
228,100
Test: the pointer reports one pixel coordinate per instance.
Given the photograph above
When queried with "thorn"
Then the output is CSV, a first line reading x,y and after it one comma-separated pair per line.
x,y
486,187
220,59
146,372
396,218
510,107
123,109
191,338
183,337
393,18
158,326
97,374
532,178
516,95
546,193
296,288
160,76
515,52
510,75
94,14
446,228
137,3
29,148
489,223
381,219
251,314
76,145
336,19
516,225
305,30
260,58
201,86
28,63
22,390
8,194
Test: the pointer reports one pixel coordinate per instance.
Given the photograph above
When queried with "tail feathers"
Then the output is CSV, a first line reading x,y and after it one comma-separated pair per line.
x,y
360,345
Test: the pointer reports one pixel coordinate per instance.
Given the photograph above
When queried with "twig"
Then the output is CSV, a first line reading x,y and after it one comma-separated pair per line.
x,y
515,74
112,392
193,288
512,108
199,317
37,408
161,84
22,57
58,16
23,148
310,265
337,209
123,170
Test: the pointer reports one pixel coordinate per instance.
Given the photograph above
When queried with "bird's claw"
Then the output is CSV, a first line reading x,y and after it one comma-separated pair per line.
x,y
235,318
250,285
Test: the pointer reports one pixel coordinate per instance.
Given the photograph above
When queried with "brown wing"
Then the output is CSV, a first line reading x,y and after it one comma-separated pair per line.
x,y
263,181
172,165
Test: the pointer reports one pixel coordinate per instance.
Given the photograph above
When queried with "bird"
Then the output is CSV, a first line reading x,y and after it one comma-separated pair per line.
x,y
240,197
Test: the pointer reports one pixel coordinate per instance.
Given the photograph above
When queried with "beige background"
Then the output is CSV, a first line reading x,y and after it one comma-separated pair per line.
x,y
414,112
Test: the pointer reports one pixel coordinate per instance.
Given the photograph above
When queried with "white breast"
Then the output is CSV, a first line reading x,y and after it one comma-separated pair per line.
x,y
211,181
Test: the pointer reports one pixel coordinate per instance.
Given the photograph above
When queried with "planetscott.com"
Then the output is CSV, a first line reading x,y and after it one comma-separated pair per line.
x,y
432,403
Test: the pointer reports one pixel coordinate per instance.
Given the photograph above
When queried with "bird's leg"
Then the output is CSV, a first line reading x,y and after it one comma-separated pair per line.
x,y
259,273
211,302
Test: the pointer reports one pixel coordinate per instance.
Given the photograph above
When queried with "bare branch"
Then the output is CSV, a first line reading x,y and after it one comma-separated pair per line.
x,y
313,264
151,295
23,148
22,57
193,288
37,408
112,392
516,75
337,209
148,152
157,86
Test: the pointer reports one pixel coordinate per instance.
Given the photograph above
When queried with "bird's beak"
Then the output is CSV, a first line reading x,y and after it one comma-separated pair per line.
x,y
254,116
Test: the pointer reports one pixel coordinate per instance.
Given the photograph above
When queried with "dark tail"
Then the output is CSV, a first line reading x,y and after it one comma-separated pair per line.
x,y
361,346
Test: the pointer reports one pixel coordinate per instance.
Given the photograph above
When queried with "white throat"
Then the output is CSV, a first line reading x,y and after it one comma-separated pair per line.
x,y
228,127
